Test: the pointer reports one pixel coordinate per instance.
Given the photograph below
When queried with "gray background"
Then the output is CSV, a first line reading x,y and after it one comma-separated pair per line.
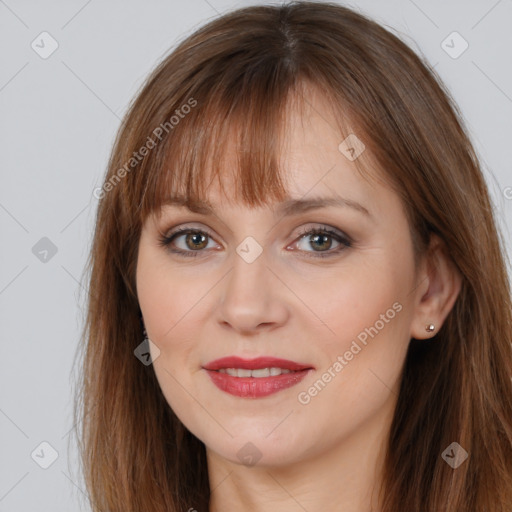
x,y
58,119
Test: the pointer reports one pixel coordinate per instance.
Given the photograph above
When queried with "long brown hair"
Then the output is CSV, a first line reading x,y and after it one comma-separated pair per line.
x,y
230,81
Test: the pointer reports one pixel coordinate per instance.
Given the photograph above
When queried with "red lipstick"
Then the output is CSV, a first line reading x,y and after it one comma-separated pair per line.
x,y
254,364
279,374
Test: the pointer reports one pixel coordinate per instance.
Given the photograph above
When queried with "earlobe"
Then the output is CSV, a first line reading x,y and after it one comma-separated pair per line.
x,y
436,297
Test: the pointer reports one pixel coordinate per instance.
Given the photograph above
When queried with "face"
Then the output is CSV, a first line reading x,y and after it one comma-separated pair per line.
x,y
329,289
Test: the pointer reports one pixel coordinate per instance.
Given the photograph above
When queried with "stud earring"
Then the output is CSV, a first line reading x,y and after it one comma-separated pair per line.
x,y
430,327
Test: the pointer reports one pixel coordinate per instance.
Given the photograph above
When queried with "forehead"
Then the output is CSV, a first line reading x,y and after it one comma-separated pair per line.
x,y
314,158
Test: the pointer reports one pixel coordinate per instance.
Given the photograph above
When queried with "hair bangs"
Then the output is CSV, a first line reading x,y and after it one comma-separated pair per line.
x,y
236,132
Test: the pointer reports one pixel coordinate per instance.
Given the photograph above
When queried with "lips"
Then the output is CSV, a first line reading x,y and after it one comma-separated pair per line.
x,y
246,378
255,364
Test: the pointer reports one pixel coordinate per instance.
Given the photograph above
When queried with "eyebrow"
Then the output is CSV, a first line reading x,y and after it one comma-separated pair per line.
x,y
287,208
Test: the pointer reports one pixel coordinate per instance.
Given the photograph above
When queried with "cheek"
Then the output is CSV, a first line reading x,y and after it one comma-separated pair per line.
x,y
361,362
366,312
164,304
174,303
356,296
165,296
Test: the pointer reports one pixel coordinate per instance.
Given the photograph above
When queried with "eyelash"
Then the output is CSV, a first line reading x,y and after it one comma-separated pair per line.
x,y
344,240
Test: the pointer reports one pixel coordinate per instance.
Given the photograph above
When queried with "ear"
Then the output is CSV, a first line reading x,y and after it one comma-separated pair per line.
x,y
438,285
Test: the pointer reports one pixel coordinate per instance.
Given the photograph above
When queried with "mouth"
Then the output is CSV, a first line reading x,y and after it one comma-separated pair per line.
x,y
255,378
258,373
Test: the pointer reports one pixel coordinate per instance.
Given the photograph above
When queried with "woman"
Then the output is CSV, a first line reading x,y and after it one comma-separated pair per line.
x,y
298,295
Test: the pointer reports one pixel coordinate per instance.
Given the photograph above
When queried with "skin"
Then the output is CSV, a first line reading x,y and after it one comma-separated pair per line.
x,y
306,309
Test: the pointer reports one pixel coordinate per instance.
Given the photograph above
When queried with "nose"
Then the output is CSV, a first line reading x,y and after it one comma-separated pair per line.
x,y
253,298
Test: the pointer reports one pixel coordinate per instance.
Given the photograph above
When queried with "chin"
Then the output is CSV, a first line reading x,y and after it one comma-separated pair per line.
x,y
255,447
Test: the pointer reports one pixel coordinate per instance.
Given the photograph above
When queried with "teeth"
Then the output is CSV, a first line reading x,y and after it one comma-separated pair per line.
x,y
260,372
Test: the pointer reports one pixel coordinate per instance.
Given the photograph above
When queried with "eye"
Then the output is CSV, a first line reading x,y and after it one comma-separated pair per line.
x,y
321,238
195,240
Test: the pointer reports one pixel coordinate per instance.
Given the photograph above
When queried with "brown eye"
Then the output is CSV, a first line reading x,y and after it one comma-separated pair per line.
x,y
321,242
195,241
